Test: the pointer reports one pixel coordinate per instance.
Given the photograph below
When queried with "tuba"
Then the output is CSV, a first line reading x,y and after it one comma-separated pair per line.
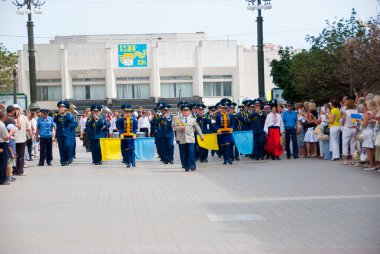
x,y
106,110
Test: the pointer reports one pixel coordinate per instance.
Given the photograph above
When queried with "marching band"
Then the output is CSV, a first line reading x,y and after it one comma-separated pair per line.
x,y
221,119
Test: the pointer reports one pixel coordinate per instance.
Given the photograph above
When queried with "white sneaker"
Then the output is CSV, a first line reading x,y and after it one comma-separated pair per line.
x,y
26,166
369,169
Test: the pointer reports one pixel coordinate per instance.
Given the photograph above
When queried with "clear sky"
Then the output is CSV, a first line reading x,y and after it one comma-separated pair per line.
x,y
286,24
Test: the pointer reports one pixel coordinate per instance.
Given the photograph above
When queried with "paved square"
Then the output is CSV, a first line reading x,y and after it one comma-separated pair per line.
x,y
288,206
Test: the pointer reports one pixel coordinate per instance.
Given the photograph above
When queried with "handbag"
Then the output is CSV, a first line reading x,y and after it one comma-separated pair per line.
x,y
326,130
363,156
322,137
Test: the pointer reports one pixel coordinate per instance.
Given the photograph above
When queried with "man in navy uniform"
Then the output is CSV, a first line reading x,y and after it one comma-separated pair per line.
x,y
127,126
235,152
166,135
95,130
204,123
257,118
64,122
223,125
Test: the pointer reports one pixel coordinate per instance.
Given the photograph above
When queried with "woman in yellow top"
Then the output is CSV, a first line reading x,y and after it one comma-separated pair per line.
x,y
334,125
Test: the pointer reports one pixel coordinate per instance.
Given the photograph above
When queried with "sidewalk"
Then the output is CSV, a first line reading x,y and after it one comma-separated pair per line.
x,y
287,206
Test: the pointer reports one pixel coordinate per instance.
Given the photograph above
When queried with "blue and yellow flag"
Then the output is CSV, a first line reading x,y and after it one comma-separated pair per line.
x,y
111,149
210,142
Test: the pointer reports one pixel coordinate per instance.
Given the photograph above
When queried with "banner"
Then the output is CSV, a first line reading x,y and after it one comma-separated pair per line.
x,y
210,142
111,149
243,141
144,149
132,55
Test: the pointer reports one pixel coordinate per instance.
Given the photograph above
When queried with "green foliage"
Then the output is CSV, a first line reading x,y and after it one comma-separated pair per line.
x,y
345,52
8,61
281,71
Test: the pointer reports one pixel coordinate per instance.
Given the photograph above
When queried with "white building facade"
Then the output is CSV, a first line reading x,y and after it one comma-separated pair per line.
x,y
142,67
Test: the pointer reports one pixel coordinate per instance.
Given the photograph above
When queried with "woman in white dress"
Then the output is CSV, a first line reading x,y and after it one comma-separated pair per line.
x,y
368,126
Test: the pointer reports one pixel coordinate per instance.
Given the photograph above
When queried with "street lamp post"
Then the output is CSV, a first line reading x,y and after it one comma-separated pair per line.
x,y
260,51
25,7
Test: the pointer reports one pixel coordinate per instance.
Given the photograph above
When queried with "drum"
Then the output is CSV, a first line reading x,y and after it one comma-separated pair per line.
x,y
140,134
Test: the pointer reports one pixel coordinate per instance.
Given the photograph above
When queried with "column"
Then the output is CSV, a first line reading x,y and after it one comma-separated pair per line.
x,y
155,87
67,88
237,86
22,76
198,73
111,91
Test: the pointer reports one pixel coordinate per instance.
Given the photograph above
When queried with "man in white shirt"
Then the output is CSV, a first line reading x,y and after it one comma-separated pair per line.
x,y
144,124
83,134
113,129
20,138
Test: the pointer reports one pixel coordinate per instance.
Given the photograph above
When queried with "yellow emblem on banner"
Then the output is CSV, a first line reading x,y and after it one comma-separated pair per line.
x,y
209,142
111,149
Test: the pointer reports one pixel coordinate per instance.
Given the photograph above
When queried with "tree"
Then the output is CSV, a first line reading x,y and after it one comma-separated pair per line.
x,y
360,60
346,52
8,61
281,71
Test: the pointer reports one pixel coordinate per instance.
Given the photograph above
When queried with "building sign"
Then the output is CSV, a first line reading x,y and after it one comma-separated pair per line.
x,y
132,55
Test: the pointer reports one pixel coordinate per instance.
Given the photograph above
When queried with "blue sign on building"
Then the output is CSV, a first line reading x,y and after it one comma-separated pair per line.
x,y
132,55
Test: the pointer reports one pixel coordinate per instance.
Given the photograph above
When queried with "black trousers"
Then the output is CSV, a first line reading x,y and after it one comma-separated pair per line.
x,y
3,162
29,144
46,150
20,161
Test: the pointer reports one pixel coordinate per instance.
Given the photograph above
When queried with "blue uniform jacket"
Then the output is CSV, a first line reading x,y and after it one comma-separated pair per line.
x,y
164,128
258,121
65,124
204,123
120,125
95,128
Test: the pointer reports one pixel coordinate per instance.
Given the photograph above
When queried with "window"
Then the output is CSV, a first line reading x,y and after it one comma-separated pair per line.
x,y
133,91
217,89
49,93
174,90
90,92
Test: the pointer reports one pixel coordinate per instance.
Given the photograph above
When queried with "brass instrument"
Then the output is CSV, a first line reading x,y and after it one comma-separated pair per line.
x,y
73,109
105,110
179,122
